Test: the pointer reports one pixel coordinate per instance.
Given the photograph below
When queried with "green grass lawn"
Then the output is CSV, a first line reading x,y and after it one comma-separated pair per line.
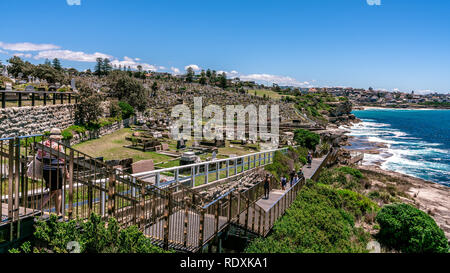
x,y
112,147
269,93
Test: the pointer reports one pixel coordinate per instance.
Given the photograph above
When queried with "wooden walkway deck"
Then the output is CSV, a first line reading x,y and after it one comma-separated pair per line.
x,y
275,195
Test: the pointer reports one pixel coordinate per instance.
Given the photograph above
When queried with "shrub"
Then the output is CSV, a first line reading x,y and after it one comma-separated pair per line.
x,y
67,134
306,138
127,109
93,236
321,219
354,172
115,110
410,230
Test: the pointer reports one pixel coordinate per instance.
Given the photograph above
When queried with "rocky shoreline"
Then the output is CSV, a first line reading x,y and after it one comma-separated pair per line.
x,y
431,197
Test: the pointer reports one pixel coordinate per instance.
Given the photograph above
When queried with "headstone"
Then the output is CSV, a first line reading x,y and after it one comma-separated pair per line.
x,y
214,155
165,146
142,166
72,84
8,86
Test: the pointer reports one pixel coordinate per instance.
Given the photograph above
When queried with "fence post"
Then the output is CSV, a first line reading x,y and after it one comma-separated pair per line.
x,y
217,216
206,173
167,212
16,186
32,99
3,100
20,99
247,215
10,185
70,98
61,98
186,221
230,198
259,220
112,194
45,98
70,211
143,214
201,228
253,216
54,98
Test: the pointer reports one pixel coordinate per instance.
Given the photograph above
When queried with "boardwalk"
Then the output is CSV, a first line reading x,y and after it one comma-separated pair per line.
x,y
275,195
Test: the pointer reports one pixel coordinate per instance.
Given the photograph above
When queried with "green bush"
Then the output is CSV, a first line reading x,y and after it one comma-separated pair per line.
x,y
410,230
354,172
127,109
67,134
93,236
306,138
321,220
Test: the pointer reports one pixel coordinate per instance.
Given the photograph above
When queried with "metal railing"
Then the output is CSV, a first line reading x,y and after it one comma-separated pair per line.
x,y
12,98
174,216
207,172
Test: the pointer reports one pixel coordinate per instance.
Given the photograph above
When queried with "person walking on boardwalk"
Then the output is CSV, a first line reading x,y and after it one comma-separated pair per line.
x,y
267,186
291,177
53,169
295,180
283,182
309,159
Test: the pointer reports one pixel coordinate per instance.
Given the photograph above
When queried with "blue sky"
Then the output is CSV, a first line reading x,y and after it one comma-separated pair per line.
x,y
400,44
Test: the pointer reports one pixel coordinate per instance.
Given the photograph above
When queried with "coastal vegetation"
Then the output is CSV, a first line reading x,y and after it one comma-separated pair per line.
x,y
410,230
321,220
91,236
283,164
306,138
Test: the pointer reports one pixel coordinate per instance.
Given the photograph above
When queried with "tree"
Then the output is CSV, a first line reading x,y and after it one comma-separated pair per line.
x,y
208,73
106,66
47,62
223,80
202,78
48,73
128,89
139,67
56,64
306,138
17,66
99,67
88,110
190,74
154,88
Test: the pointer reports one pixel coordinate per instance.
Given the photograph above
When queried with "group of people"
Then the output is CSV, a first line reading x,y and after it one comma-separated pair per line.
x,y
294,178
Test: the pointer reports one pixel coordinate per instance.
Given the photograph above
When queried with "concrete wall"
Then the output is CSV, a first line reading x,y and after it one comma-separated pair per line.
x,y
20,121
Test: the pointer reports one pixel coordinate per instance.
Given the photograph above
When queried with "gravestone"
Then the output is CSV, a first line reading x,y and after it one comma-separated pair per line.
x,y
72,84
8,86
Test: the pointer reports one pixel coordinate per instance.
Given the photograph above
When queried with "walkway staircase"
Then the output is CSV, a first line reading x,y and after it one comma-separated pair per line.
x,y
175,217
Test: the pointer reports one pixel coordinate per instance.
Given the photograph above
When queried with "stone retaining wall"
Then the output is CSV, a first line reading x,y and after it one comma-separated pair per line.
x,y
106,130
20,121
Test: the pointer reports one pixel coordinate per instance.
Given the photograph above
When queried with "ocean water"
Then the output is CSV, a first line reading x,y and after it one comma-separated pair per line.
x,y
417,142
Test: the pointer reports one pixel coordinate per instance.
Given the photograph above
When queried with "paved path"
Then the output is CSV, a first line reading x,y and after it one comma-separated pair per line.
x,y
275,195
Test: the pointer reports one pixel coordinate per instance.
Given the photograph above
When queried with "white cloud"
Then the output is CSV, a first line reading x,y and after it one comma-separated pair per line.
x,y
175,70
129,62
74,2
27,46
23,55
268,78
193,66
69,55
